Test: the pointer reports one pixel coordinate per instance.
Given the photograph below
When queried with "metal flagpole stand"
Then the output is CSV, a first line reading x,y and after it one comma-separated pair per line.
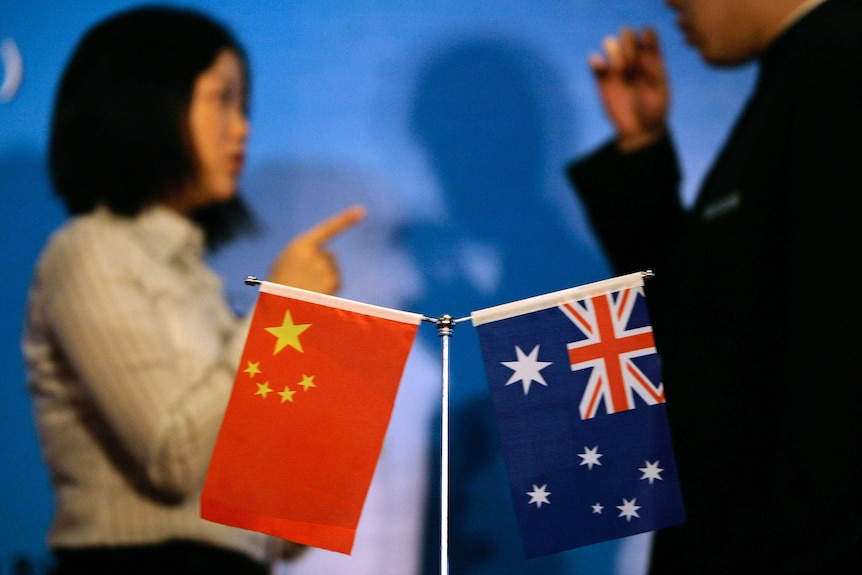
x,y
445,326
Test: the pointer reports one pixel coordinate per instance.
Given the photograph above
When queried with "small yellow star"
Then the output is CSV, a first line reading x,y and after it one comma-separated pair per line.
x,y
287,333
253,368
307,381
263,389
286,395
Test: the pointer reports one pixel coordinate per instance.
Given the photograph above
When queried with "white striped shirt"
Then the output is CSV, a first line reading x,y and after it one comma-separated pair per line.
x,y
131,353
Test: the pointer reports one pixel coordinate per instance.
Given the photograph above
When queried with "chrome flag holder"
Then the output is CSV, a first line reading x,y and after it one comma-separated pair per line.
x,y
445,326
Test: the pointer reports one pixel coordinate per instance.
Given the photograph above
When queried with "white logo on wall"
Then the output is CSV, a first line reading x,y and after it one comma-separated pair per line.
x,y
12,70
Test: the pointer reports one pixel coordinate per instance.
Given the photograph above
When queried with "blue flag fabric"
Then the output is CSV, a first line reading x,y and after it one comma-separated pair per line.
x,y
577,390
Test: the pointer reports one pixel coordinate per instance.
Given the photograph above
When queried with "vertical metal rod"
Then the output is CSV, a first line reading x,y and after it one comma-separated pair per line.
x,y
445,325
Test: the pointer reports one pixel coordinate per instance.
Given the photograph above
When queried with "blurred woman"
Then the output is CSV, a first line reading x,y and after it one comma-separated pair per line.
x,y
130,346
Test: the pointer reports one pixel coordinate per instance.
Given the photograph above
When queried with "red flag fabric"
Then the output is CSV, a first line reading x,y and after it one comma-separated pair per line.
x,y
307,416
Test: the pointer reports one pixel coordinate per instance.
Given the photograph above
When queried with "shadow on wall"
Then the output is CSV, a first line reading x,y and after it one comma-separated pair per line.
x,y
488,114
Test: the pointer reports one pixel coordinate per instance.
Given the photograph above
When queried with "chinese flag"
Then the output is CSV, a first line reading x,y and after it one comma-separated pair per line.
x,y
305,422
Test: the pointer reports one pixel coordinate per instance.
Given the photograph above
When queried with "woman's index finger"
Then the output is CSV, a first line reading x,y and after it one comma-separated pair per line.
x,y
334,225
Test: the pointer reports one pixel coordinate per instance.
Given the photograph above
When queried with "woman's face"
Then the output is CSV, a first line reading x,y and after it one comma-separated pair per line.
x,y
219,129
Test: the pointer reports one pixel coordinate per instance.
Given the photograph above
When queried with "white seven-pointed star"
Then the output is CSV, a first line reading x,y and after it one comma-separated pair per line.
x,y
652,471
527,368
590,457
628,509
538,495
597,508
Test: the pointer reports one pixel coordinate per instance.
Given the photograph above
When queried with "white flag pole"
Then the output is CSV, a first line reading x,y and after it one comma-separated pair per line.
x,y
445,326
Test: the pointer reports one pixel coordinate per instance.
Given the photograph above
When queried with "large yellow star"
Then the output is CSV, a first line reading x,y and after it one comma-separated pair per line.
x,y
287,333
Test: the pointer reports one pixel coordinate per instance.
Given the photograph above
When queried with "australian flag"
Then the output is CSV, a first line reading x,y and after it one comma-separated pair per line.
x,y
577,390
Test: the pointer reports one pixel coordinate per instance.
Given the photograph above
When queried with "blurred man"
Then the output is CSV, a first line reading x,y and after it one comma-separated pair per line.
x,y
753,318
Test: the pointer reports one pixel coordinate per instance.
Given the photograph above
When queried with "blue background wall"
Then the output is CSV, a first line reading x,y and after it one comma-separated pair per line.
x,y
451,120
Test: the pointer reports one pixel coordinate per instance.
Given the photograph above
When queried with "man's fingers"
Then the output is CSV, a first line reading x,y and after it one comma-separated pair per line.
x,y
628,45
597,63
649,39
332,226
651,58
613,52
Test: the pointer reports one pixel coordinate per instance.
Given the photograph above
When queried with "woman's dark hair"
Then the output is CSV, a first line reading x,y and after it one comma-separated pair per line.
x,y
119,132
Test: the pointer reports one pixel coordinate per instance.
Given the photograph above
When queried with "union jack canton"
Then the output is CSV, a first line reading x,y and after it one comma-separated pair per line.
x,y
615,337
